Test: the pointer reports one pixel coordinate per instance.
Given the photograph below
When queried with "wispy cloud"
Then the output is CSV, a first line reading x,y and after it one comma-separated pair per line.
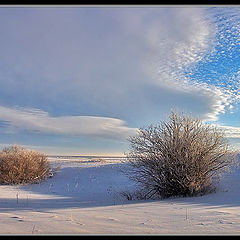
x,y
176,40
29,119
230,132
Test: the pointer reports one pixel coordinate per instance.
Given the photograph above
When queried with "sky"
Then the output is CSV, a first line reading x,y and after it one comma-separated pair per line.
x,y
79,80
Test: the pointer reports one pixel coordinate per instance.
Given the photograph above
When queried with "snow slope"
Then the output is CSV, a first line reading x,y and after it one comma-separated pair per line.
x,y
83,197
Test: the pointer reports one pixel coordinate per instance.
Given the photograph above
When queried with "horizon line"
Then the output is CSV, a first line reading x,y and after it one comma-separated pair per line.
x,y
93,156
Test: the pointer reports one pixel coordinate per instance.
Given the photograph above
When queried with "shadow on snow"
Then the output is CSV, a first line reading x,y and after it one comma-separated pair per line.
x,y
82,187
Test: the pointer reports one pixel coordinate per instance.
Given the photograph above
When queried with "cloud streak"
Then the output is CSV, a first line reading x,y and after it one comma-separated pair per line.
x,y
230,132
29,119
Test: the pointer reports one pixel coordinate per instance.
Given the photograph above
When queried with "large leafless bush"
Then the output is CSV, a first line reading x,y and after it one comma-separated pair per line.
x,y
179,157
19,165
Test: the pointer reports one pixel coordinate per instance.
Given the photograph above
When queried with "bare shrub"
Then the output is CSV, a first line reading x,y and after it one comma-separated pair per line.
x,y
180,157
19,165
127,195
132,195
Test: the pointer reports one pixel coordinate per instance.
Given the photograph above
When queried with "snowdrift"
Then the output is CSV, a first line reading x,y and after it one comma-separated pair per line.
x,y
84,197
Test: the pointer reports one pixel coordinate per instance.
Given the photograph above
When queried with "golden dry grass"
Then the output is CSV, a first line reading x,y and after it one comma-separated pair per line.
x,y
19,165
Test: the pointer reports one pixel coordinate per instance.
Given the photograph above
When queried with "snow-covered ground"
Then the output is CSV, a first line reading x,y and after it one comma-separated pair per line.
x,y
83,197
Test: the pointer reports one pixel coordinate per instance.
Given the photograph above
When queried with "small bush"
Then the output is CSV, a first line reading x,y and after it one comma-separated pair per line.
x,y
19,165
177,158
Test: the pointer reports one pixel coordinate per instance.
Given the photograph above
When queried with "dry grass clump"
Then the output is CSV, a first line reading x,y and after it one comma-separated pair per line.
x,y
180,157
19,165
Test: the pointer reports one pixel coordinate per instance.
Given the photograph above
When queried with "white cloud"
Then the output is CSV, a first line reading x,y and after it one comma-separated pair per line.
x,y
175,39
171,38
230,132
36,120
109,60
216,99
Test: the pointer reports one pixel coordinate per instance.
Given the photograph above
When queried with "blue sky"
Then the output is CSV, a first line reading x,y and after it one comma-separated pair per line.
x,y
80,80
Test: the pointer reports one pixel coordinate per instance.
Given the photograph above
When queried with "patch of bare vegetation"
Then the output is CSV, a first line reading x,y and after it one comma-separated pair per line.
x,y
180,157
19,165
